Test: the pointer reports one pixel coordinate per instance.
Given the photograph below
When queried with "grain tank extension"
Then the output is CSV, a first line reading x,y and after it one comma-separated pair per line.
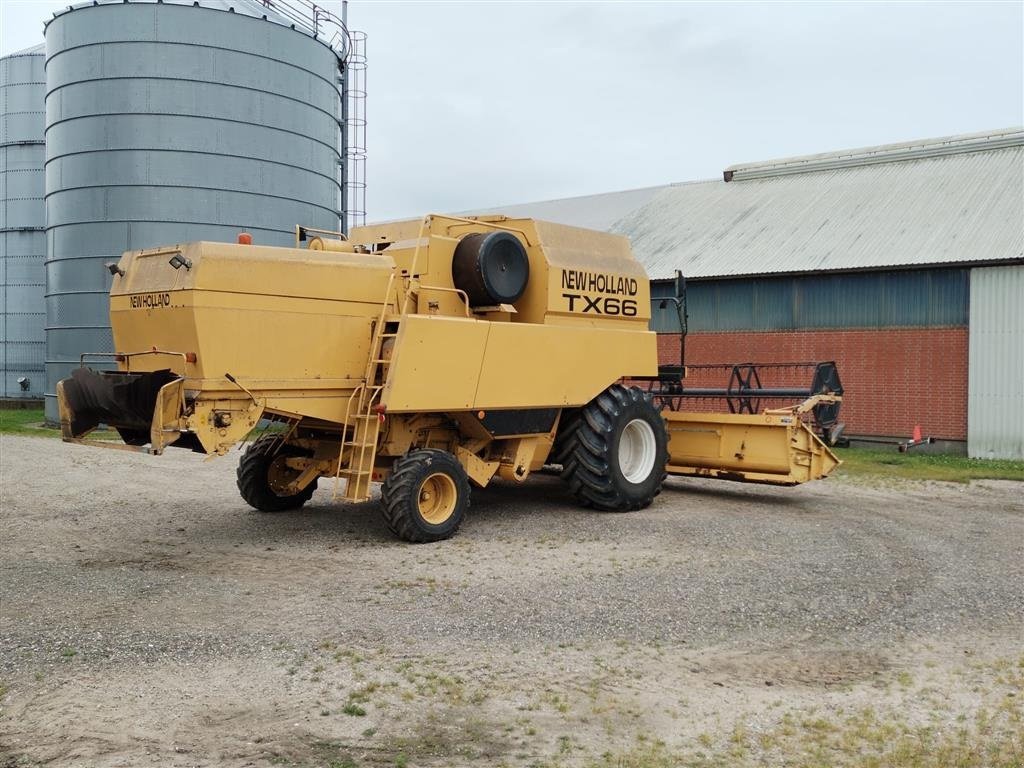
x,y
425,355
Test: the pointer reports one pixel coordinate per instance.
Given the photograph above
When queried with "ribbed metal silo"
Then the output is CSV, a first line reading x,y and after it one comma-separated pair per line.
x,y
22,219
167,123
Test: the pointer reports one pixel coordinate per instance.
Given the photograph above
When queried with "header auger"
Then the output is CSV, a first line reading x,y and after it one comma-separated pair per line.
x,y
425,355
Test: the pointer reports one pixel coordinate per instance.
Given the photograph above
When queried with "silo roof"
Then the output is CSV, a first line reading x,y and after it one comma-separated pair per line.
x,y
287,13
34,50
955,200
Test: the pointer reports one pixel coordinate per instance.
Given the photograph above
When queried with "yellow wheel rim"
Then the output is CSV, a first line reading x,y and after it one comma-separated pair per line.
x,y
279,475
437,498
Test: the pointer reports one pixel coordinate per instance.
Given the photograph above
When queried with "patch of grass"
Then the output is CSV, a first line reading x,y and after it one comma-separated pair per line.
x,y
442,738
644,756
989,735
31,422
353,710
863,462
25,421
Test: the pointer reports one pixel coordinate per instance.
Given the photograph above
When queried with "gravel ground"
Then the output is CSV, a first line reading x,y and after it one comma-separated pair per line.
x,y
148,617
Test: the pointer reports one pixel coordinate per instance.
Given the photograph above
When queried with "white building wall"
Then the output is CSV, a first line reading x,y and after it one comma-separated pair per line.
x,y
995,388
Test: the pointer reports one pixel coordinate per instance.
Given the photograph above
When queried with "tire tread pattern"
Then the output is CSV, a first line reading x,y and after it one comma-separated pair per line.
x,y
252,478
588,450
400,495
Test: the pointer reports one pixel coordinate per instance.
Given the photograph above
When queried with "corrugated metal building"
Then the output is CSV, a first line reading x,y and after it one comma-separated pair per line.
x,y
900,262
995,390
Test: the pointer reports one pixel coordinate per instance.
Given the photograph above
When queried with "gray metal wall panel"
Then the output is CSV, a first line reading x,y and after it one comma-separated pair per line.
x,y
174,24
113,237
26,329
167,123
189,205
22,80
25,358
913,298
25,270
22,218
219,67
134,168
192,99
199,136
995,389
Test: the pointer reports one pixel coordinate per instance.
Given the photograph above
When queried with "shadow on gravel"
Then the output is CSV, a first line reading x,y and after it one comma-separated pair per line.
x,y
751,494
541,502
312,524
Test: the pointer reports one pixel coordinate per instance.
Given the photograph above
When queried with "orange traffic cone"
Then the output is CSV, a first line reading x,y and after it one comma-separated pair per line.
x,y
917,434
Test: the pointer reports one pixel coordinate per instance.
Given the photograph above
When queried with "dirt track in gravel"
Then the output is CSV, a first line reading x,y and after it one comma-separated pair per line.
x,y
148,617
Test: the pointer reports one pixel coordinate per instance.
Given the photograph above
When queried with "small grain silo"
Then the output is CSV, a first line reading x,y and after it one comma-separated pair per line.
x,y
22,221
168,122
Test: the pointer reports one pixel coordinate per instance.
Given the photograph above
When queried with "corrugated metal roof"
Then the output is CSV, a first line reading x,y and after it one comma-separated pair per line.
x,y
885,153
948,209
590,211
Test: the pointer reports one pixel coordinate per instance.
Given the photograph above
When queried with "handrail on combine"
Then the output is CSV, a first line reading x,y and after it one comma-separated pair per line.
x,y
482,221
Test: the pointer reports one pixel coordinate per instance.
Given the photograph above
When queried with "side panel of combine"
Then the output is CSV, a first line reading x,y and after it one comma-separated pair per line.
x,y
453,364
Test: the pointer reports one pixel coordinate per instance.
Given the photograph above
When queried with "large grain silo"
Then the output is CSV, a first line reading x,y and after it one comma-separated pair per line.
x,y
168,122
22,219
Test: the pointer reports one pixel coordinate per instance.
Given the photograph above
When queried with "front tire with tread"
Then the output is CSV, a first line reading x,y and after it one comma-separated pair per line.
x,y
253,477
403,496
591,452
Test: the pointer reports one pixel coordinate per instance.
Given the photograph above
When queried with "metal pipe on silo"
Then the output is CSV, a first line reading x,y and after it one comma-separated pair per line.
x,y
169,122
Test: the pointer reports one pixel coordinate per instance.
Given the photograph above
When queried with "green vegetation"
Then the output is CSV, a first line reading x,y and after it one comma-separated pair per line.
x,y
30,421
864,462
25,421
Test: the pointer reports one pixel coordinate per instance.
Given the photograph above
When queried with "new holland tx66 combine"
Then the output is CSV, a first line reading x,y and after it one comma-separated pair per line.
x,y
425,355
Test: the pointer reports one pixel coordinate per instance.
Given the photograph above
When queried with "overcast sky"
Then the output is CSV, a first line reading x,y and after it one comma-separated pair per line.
x,y
474,105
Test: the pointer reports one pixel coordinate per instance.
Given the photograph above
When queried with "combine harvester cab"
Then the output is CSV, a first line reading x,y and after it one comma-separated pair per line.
x,y
425,355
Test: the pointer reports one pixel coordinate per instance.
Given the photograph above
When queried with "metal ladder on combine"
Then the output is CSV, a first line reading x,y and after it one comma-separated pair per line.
x,y
361,413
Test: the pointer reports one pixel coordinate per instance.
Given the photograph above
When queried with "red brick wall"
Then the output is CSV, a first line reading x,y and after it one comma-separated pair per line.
x,y
893,378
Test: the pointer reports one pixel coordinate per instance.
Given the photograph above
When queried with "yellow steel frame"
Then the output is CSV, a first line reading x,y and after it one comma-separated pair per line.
x,y
774,447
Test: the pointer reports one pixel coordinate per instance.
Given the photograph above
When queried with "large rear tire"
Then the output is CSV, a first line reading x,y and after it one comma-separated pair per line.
x,y
259,467
426,496
614,457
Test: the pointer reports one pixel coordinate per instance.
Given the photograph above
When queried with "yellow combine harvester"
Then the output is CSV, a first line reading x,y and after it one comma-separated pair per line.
x,y
425,355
